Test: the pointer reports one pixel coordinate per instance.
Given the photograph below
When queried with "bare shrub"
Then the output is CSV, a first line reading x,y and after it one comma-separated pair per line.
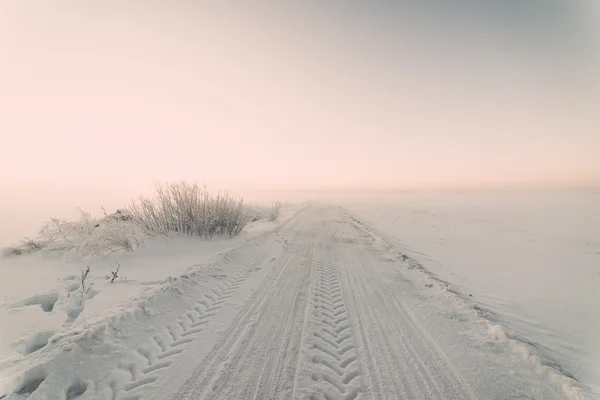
x,y
178,207
90,236
113,274
189,209
82,279
27,246
274,211
258,211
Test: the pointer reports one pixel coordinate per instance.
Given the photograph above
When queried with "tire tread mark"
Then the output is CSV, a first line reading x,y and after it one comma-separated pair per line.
x,y
202,381
334,365
179,334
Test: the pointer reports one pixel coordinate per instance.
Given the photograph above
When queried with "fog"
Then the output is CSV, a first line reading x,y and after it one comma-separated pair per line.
x,y
99,100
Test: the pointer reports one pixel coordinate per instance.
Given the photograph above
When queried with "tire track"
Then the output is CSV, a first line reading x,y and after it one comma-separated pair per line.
x,y
257,356
328,329
331,370
160,351
402,360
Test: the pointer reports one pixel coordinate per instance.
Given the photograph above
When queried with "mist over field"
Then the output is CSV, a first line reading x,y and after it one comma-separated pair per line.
x,y
405,195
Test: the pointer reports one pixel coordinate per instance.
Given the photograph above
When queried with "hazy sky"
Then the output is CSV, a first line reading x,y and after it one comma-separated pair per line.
x,y
99,99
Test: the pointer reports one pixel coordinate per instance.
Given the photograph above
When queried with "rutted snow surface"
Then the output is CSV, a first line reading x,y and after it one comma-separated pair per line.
x,y
321,308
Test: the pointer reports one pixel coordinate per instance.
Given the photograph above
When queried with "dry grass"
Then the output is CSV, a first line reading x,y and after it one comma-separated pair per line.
x,y
274,211
27,246
190,210
178,207
84,237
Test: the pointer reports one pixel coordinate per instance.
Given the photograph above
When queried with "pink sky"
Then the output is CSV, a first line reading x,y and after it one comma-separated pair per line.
x,y
99,101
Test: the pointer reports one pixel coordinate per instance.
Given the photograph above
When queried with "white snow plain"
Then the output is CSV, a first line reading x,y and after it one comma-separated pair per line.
x,y
325,304
528,260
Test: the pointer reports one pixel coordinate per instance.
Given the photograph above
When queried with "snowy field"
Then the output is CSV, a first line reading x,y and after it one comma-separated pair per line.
x,y
42,294
420,297
530,262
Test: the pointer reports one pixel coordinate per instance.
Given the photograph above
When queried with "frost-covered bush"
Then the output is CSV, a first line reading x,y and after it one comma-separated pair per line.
x,y
259,211
274,211
89,236
189,209
26,246
178,207
84,237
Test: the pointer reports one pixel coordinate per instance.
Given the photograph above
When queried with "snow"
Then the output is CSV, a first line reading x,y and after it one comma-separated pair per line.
x,y
42,298
321,304
527,259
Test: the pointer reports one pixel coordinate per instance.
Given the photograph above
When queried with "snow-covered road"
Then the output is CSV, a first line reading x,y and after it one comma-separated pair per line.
x,y
323,324
315,309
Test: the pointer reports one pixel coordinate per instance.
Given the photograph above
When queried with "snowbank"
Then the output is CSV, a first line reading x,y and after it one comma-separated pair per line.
x,y
46,310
